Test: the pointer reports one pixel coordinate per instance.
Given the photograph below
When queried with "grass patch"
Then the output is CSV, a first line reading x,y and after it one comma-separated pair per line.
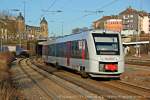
x,y
8,89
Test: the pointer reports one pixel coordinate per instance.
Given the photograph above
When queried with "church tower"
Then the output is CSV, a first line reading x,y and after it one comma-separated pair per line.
x,y
44,28
20,24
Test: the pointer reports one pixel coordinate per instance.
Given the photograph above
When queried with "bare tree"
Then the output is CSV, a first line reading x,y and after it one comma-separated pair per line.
x,y
5,14
76,30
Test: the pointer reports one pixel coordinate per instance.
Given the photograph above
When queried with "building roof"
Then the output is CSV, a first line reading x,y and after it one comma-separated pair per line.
x,y
129,10
20,17
104,18
7,17
28,27
143,13
43,21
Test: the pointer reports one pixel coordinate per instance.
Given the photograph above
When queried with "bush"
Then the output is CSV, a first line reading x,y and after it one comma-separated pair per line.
x,y
6,58
8,89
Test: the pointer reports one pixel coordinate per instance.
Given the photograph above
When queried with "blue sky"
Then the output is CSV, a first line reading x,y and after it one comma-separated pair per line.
x,y
75,12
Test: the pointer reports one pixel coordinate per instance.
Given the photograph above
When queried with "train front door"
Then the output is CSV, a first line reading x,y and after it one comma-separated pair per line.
x,y
68,52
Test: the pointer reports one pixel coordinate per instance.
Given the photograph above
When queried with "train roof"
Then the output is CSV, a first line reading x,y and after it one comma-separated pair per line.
x,y
43,43
90,31
77,36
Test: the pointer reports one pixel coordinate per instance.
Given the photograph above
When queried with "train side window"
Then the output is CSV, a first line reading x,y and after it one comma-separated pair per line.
x,y
64,50
74,49
46,50
49,50
86,51
77,47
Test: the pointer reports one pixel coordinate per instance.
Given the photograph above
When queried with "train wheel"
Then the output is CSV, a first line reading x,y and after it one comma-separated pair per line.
x,y
84,74
46,63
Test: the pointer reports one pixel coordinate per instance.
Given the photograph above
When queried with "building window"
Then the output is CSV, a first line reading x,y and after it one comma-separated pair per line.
x,y
131,26
124,22
131,20
125,17
131,16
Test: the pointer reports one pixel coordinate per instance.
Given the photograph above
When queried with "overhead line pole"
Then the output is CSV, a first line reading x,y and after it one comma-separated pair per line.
x,y
24,11
62,28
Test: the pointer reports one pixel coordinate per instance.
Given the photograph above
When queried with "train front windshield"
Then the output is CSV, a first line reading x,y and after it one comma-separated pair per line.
x,y
106,44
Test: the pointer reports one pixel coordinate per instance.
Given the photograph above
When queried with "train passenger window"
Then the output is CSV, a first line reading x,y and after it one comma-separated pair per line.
x,y
60,49
77,49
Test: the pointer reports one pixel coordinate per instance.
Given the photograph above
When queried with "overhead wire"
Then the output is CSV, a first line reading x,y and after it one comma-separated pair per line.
x,y
97,10
108,4
51,5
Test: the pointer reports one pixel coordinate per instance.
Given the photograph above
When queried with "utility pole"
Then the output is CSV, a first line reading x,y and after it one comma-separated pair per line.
x,y
51,30
1,39
62,27
21,35
24,11
136,39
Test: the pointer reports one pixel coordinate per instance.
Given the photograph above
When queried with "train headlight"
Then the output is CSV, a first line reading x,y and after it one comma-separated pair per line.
x,y
101,67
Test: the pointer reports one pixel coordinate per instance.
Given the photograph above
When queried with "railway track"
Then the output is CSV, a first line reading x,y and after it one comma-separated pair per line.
x,y
141,91
108,90
40,87
101,94
138,67
124,91
78,92
142,62
138,64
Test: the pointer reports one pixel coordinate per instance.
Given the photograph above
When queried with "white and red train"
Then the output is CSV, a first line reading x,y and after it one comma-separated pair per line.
x,y
95,53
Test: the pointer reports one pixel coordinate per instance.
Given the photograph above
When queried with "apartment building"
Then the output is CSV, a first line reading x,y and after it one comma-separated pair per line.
x,y
111,23
129,19
135,20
